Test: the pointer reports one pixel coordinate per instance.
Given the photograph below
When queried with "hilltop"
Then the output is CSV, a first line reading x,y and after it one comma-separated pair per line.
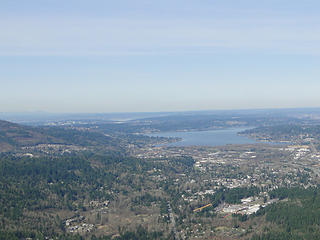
x,y
13,136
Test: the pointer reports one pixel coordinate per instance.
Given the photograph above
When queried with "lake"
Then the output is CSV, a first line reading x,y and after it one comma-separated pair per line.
x,y
207,138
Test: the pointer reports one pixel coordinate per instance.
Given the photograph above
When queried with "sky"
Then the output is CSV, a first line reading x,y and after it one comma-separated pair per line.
x,y
150,56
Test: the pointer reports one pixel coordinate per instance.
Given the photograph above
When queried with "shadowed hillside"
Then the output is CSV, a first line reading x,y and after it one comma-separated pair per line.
x,y
14,136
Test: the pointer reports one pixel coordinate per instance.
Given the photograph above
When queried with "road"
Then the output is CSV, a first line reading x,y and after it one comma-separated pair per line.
x,y
172,222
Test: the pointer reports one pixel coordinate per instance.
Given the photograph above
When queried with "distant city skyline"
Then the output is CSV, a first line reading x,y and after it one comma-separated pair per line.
x,y
152,56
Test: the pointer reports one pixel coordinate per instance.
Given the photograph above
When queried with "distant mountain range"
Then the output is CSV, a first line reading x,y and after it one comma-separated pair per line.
x,y
42,118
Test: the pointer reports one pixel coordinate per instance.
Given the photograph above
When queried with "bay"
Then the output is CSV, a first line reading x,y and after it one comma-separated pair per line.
x,y
207,138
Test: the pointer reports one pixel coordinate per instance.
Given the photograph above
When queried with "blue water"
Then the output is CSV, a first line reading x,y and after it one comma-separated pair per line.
x,y
207,138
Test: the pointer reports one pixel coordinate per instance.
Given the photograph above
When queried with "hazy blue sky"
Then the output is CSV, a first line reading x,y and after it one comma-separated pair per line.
x,y
148,55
